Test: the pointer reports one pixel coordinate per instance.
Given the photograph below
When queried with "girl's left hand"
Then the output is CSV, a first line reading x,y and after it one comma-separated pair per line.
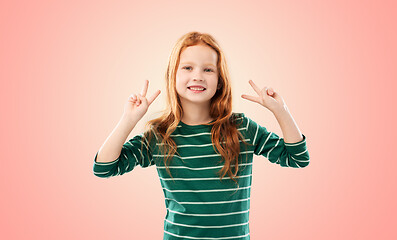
x,y
267,98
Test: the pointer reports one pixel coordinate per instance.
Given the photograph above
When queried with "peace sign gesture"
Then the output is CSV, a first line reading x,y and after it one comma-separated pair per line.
x,y
137,104
266,97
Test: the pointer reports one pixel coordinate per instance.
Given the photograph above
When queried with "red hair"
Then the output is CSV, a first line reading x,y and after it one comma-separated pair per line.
x,y
224,133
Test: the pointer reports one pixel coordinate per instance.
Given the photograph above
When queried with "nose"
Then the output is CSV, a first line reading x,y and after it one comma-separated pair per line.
x,y
198,76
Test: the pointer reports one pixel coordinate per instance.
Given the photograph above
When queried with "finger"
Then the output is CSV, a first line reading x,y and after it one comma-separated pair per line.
x,y
144,89
270,91
257,90
251,98
139,98
265,90
153,97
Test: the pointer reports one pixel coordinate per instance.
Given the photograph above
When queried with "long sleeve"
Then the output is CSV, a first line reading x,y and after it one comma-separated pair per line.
x,y
134,152
273,147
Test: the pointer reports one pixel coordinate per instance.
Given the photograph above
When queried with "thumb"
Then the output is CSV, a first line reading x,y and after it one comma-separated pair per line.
x,y
141,99
278,97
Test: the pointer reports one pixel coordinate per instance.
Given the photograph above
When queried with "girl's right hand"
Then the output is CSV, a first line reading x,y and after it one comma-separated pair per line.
x,y
137,104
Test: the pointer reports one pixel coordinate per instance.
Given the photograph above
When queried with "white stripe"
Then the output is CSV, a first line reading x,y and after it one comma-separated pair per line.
x,y
136,159
200,226
145,141
136,147
128,162
203,168
210,214
294,144
208,190
257,127
219,202
248,123
202,145
208,238
299,160
106,163
197,134
102,172
204,124
297,154
272,148
155,135
199,156
265,142
195,179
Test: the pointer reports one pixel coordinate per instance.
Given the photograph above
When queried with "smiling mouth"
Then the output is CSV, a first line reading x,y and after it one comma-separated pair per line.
x,y
196,89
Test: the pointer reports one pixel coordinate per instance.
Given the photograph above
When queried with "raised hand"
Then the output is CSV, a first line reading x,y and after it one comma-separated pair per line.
x,y
137,104
266,97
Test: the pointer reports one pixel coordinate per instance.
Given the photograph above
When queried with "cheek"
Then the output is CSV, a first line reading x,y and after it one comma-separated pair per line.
x,y
179,85
214,82
181,79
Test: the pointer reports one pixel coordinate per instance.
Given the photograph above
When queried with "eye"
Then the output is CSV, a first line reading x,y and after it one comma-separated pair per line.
x,y
187,67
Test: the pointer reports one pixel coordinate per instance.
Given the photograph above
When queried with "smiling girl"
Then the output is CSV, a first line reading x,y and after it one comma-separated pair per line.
x,y
198,140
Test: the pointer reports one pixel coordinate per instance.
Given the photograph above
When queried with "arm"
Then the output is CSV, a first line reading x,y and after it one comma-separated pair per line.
x,y
273,147
292,153
290,130
122,158
116,157
111,149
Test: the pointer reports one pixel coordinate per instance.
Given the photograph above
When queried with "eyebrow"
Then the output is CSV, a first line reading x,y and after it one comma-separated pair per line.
x,y
193,63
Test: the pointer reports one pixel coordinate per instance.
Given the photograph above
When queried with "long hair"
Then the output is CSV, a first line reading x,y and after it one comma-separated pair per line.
x,y
224,134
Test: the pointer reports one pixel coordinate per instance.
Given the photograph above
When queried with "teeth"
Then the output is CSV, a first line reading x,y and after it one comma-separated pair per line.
x,y
197,89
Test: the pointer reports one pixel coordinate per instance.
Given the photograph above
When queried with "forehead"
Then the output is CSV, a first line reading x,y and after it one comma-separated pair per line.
x,y
199,54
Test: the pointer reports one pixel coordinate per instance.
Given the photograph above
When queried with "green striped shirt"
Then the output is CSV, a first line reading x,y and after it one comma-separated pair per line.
x,y
198,204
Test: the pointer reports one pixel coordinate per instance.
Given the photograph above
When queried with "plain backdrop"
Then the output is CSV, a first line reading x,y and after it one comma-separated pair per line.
x,y
67,68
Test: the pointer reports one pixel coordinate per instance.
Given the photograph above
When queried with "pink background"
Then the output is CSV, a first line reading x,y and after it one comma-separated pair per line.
x,y
67,68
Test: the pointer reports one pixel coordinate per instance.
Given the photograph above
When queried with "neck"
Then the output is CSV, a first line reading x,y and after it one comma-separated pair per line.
x,y
195,114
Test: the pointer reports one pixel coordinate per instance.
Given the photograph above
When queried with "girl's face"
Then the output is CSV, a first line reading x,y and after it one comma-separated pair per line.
x,y
197,75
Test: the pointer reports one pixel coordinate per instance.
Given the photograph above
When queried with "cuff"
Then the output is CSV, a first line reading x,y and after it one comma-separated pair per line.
x,y
296,147
103,163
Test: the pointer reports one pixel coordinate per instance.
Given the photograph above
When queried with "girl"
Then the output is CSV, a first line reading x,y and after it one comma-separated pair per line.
x,y
198,140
